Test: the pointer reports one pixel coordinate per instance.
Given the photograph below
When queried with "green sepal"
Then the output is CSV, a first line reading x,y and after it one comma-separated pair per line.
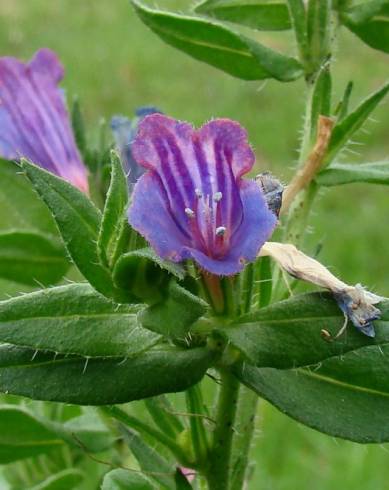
x,y
145,275
175,313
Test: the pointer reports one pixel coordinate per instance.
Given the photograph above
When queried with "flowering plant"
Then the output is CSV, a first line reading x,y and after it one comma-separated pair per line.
x,y
169,267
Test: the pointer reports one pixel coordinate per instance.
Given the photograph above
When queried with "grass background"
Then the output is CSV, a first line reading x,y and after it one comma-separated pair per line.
x,y
115,64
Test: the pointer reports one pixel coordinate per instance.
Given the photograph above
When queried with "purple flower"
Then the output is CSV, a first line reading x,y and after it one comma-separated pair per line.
x,y
34,122
124,131
193,203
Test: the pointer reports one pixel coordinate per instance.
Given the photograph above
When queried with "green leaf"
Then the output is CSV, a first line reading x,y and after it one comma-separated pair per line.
x,y
370,22
32,259
114,230
21,208
298,16
73,319
319,30
259,14
87,431
219,46
161,411
341,110
96,381
78,221
348,173
345,396
64,480
288,333
78,126
145,275
124,480
157,467
182,482
22,435
345,129
173,316
321,99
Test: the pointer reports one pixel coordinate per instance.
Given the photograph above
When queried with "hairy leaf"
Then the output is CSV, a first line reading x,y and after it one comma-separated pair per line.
x,y
78,221
288,334
260,15
73,319
343,173
345,396
28,257
96,381
219,46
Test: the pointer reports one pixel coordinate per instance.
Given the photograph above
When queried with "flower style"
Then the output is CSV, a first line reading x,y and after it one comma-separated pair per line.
x,y
124,131
192,203
34,122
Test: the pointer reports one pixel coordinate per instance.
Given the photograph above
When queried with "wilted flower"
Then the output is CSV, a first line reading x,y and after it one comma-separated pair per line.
x,y
192,203
34,122
124,131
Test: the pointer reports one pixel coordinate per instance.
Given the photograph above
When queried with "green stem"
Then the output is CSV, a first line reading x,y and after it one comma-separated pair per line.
x,y
245,426
197,429
142,427
218,473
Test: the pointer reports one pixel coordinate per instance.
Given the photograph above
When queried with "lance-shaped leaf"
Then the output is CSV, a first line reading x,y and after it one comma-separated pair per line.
x,y
260,15
96,381
370,22
219,46
344,129
21,208
73,319
319,29
31,258
298,16
160,470
321,100
22,435
60,481
348,173
78,221
114,230
288,334
345,396
123,480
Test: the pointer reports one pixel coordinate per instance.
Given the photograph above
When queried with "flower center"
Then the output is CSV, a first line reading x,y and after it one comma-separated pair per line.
x,y
207,231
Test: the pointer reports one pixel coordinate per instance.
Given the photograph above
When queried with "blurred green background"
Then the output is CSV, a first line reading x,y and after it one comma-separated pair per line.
x,y
115,64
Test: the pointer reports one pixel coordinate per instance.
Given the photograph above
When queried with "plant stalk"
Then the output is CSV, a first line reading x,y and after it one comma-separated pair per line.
x,y
219,469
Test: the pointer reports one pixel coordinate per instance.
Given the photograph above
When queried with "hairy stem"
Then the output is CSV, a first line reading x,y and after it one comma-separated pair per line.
x,y
245,426
219,468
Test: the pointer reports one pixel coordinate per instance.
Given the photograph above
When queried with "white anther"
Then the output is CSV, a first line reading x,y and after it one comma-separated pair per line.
x,y
217,196
198,192
189,212
220,230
